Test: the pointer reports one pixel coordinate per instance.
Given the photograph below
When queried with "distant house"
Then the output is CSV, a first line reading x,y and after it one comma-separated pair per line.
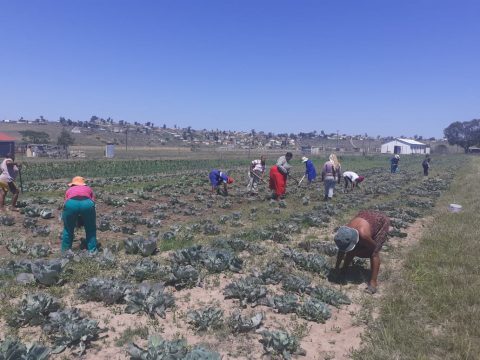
x,y
404,146
306,150
76,130
474,150
7,144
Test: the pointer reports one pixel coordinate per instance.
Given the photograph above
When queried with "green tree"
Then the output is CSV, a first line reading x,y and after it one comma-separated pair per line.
x,y
35,137
65,139
463,134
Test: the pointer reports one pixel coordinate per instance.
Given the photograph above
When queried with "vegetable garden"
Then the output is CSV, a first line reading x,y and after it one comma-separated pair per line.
x,y
184,274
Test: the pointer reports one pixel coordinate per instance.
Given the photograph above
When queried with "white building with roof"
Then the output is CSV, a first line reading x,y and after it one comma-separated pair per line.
x,y
405,146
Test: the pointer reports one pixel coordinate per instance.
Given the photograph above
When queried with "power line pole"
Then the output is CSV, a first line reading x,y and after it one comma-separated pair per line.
x,y
126,139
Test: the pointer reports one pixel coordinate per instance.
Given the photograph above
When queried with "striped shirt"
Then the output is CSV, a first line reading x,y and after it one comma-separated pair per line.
x,y
8,171
256,165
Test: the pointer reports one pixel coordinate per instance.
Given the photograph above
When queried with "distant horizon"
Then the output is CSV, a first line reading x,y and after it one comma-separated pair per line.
x,y
375,67
318,132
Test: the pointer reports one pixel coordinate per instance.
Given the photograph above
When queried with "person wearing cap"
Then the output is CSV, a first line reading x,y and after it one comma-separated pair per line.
x,y
256,173
218,178
352,178
79,202
278,175
9,171
310,171
394,163
363,237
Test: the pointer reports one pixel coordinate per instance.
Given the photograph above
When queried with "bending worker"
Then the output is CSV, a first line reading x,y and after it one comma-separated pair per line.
x,y
278,175
363,237
9,171
352,178
310,171
256,173
218,178
79,202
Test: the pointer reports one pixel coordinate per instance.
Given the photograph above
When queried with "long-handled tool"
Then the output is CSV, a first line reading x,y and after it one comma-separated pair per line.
x,y
258,177
20,179
303,177
294,179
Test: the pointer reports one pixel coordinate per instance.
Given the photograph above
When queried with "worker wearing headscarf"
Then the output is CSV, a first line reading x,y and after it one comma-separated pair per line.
x,y
310,171
218,178
352,178
278,175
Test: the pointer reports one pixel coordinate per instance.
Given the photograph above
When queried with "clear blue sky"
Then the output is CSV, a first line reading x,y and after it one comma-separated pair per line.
x,y
384,67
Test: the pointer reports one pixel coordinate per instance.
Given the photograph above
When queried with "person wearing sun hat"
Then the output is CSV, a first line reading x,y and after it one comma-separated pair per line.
x,y
363,237
310,171
352,178
394,163
218,178
79,202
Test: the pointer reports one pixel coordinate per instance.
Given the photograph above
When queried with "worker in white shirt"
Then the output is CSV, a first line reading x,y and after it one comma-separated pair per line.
x,y
352,178
255,174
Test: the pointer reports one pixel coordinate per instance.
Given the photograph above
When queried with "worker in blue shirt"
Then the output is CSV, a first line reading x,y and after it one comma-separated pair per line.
x,y
218,178
310,171
394,163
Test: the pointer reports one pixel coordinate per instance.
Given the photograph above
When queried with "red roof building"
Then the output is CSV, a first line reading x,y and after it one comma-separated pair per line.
x,y
7,144
5,137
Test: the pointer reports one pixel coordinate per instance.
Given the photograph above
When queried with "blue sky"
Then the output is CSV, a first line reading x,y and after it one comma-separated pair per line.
x,y
380,67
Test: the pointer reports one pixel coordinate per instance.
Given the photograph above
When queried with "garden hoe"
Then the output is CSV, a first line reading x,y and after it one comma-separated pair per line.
x,y
294,179
303,177
258,177
20,179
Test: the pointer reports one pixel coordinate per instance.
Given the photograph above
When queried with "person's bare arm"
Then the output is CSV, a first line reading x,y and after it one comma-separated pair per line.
x,y
348,259
374,267
340,257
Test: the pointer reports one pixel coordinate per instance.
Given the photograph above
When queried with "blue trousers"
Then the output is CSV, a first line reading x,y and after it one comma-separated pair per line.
x,y
72,210
329,183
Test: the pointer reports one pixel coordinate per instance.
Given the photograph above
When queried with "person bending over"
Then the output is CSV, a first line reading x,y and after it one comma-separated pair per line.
x,y
363,237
